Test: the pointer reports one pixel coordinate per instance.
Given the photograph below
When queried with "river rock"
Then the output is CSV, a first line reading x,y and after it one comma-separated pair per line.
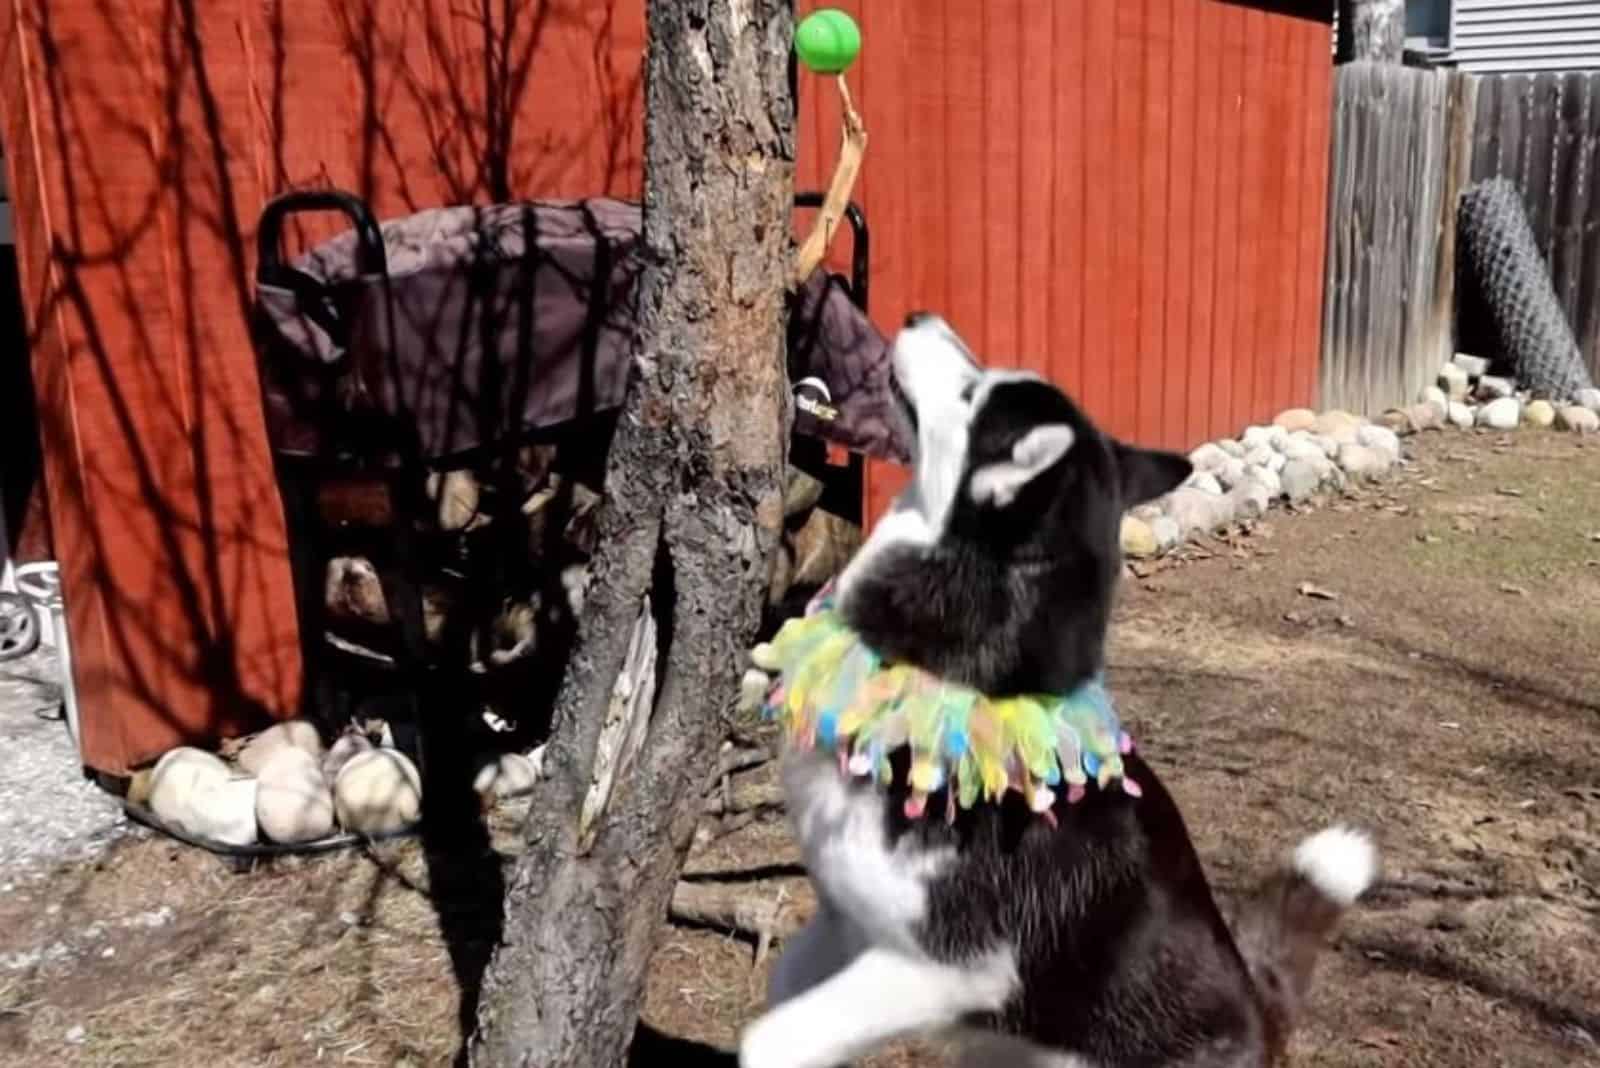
x,y
1493,387
1293,419
293,802
1204,480
1436,398
1250,498
1502,414
1380,438
1426,415
1462,416
292,733
1471,366
1269,436
1579,420
1270,479
379,791
1539,413
1588,398
1231,447
1396,421
1365,461
1303,446
1167,533
1138,540
1339,425
1231,473
1208,457
1195,510
509,774
1301,479
1453,382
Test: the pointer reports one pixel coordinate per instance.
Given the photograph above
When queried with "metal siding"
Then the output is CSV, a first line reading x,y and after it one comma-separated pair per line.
x,y
1503,35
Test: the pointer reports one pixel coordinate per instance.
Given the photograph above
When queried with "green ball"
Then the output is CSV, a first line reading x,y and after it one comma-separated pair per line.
x,y
827,41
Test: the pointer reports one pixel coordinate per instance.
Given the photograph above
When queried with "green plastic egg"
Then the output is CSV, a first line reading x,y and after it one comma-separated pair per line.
x,y
827,41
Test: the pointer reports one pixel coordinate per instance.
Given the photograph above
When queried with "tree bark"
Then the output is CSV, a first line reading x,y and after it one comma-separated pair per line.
x,y
694,487
1372,30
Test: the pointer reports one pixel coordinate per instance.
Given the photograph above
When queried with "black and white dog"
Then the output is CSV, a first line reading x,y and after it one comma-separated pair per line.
x,y
1093,943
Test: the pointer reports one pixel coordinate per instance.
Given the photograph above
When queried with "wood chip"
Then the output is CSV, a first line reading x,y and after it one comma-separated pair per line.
x,y
1306,589
1515,591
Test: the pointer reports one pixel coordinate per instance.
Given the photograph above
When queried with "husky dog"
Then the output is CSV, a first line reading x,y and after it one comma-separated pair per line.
x,y
1086,941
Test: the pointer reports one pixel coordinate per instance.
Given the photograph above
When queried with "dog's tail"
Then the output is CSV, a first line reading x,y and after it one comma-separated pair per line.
x,y
1282,927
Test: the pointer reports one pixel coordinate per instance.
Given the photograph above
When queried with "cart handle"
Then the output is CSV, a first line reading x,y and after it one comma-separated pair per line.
x,y
270,268
861,243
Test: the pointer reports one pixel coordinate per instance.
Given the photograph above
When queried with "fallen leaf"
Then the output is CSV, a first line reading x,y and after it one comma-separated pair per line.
x,y
1428,539
1306,589
1450,725
1508,491
1516,591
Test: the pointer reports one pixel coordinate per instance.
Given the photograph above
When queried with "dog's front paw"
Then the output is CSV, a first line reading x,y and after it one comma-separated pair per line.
x,y
763,1046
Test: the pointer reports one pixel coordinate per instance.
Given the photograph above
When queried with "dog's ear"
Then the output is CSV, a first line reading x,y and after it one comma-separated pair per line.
x,y
1034,453
1146,474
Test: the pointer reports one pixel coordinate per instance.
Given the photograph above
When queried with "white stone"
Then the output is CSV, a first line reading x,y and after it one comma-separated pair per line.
x,y
1270,479
1269,436
1364,461
1579,420
1260,456
1381,438
1473,366
297,733
1196,510
1453,382
293,803
1539,413
1462,415
1304,446
1588,398
1208,457
378,791
1435,397
1168,533
1493,387
1301,479
1250,499
1276,461
1330,445
1231,473
1204,480
1502,414
1427,416
1232,448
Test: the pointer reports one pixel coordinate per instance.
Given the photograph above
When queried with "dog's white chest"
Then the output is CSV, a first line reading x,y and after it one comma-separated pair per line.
x,y
879,887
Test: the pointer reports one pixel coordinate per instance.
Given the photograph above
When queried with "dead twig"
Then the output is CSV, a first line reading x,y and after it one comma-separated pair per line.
x,y
754,911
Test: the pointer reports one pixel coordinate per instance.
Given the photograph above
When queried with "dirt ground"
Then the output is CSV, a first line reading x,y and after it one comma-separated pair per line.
x,y
1422,659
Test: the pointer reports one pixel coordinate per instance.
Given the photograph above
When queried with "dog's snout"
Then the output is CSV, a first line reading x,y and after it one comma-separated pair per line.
x,y
918,318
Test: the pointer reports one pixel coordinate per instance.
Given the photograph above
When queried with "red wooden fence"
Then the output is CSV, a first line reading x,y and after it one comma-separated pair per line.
x,y
1125,194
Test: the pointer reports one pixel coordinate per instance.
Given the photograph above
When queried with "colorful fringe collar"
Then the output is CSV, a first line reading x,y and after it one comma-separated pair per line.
x,y
834,692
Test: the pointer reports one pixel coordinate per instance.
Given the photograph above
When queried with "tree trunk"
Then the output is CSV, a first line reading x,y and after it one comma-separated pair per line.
x,y
694,503
1372,30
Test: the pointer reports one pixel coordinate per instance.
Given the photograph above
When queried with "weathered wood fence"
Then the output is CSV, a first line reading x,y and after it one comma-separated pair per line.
x,y
1406,142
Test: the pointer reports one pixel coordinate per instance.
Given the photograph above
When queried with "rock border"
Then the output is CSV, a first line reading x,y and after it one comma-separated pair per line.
x,y
1303,452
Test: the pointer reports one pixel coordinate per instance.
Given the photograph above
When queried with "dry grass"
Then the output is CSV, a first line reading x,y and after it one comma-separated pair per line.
x,y
1459,720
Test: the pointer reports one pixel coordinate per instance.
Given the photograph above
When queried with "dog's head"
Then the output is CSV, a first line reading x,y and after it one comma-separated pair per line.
x,y
1010,523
